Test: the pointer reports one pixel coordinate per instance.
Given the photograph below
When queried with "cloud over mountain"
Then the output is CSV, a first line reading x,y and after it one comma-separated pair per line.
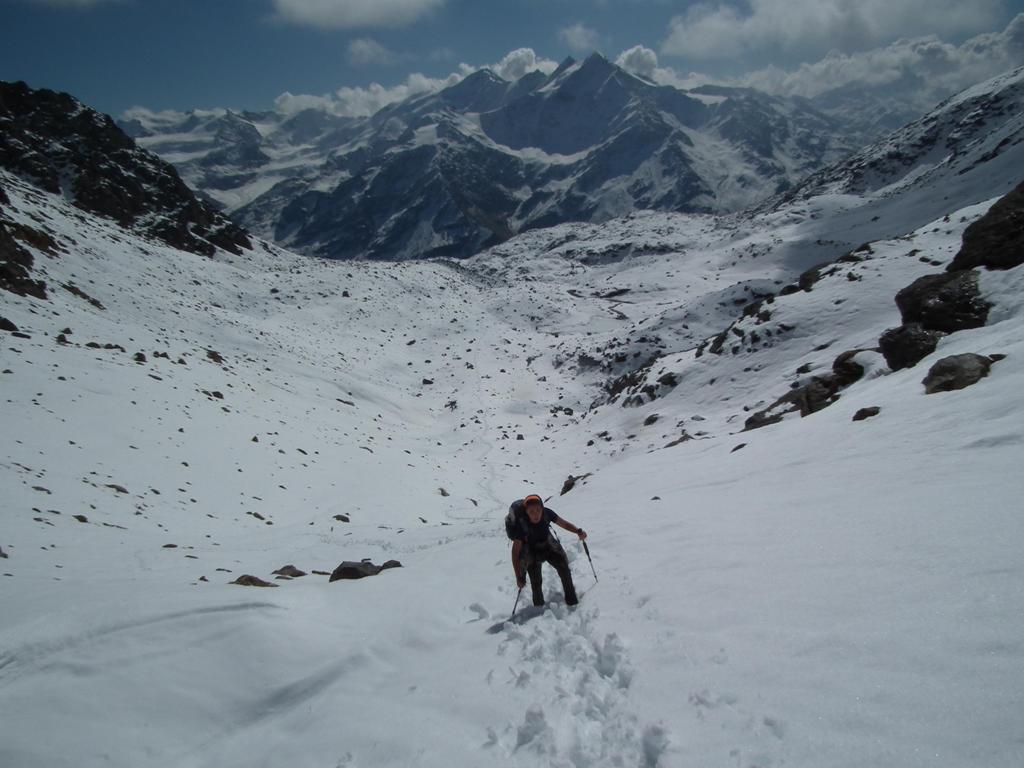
x,y
814,27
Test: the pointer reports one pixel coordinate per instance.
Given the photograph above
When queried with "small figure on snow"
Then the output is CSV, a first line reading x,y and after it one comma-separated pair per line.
x,y
528,524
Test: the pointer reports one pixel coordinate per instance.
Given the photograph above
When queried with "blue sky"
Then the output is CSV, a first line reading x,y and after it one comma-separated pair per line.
x,y
180,54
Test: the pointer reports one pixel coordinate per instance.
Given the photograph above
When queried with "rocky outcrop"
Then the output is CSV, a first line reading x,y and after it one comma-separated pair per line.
x,y
996,240
946,302
956,372
933,306
814,395
16,266
53,141
353,570
906,346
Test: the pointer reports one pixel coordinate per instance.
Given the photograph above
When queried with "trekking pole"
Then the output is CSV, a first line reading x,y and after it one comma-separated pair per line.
x,y
587,550
516,605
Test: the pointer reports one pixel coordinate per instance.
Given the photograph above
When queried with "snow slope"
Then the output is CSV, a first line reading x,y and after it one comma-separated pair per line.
x,y
830,594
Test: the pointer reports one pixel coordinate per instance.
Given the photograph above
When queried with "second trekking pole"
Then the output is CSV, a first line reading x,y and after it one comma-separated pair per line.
x,y
516,605
587,550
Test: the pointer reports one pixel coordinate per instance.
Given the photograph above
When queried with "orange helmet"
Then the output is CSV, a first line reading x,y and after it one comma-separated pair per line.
x,y
533,498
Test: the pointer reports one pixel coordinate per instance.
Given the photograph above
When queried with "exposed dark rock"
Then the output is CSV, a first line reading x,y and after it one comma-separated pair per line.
x,y
55,142
906,346
996,240
7,325
215,356
846,369
956,372
652,419
41,241
866,413
16,264
81,518
75,290
820,392
248,580
3,555
947,302
427,382
290,571
570,483
809,278
353,570
738,447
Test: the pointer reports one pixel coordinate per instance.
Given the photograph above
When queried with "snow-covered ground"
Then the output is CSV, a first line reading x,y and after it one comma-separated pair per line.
x,y
829,594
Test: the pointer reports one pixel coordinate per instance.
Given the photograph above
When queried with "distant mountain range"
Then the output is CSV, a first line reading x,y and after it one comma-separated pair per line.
x,y
449,173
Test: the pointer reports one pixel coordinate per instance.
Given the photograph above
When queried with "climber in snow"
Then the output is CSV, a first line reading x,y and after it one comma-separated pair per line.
x,y
528,525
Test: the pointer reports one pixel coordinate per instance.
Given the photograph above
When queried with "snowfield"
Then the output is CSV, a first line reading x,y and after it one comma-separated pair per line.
x,y
819,592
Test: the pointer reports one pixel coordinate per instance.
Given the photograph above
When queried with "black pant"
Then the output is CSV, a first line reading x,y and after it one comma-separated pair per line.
x,y
554,555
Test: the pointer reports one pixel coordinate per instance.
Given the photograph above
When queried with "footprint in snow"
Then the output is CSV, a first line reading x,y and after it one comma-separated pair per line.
x,y
578,681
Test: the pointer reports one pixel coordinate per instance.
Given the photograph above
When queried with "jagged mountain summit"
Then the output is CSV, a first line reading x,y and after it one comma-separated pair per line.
x,y
449,173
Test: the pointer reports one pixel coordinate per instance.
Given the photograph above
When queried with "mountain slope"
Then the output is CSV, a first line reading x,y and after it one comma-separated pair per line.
x,y
445,174
65,147
820,592
798,594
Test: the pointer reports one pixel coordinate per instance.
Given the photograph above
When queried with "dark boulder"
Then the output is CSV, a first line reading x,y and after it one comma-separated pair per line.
x,y
290,571
248,580
996,240
956,372
906,346
947,302
866,413
352,570
848,370
7,325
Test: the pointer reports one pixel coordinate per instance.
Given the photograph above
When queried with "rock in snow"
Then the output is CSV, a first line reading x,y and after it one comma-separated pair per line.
x,y
956,372
353,570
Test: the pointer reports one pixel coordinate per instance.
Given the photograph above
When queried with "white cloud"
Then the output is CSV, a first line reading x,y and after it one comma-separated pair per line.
x,y
353,14
517,63
366,52
642,61
639,60
364,101
815,27
922,71
579,38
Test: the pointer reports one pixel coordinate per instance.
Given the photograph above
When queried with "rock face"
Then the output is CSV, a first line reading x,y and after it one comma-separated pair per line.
x,y
55,142
996,240
353,570
956,372
946,302
906,346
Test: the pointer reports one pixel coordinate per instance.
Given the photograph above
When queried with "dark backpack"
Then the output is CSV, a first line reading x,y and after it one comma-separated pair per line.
x,y
515,525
